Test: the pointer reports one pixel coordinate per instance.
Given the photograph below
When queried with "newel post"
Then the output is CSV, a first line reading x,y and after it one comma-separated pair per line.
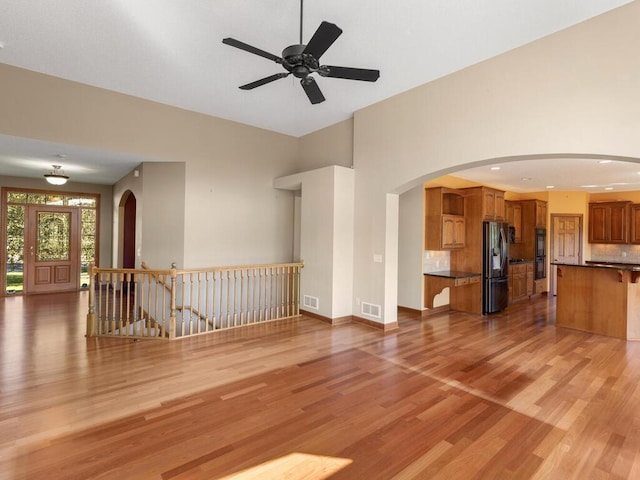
x,y
91,315
172,315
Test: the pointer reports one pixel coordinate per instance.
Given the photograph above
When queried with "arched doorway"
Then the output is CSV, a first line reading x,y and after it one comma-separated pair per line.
x,y
128,230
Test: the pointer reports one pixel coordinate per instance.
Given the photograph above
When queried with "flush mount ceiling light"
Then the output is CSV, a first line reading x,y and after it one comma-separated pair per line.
x,y
56,176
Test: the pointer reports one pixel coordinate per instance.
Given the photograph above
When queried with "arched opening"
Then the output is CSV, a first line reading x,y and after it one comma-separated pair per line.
x,y
573,203
127,247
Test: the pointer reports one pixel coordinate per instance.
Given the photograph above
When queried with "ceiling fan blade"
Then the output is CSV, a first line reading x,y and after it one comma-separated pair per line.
x,y
312,90
350,73
248,48
325,35
264,81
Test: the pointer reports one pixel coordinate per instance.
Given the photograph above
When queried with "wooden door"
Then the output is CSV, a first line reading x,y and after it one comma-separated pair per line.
x,y
52,253
566,242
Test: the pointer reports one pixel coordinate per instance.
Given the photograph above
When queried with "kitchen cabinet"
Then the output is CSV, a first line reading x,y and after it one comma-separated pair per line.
x,y
514,219
517,281
445,222
452,231
635,223
541,213
521,283
608,222
530,281
493,206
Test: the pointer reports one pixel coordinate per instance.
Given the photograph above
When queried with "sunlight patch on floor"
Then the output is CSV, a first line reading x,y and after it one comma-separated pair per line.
x,y
294,466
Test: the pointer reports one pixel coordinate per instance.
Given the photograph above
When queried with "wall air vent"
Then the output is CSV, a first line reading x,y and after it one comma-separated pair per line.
x,y
371,309
311,302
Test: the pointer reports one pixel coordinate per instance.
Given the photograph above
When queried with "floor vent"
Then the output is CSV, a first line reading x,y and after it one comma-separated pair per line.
x,y
310,302
371,309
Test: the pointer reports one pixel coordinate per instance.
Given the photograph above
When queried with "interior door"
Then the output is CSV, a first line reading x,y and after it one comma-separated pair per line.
x,y
52,253
566,242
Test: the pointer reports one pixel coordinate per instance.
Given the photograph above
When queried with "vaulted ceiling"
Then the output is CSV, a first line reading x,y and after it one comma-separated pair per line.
x,y
172,52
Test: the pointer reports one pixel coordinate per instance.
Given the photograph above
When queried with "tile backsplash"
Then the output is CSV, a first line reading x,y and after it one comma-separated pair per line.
x,y
615,253
435,260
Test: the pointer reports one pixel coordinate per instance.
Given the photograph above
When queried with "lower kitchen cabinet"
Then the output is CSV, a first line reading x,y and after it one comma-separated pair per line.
x,y
521,283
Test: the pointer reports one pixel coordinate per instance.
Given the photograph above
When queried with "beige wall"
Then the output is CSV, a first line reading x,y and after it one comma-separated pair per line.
x,y
574,92
330,146
326,243
232,214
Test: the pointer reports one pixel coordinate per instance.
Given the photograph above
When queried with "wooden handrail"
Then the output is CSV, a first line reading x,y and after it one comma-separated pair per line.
x,y
144,266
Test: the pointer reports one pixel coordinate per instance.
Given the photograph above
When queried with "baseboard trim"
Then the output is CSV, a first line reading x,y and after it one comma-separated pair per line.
x,y
330,321
430,312
410,311
385,327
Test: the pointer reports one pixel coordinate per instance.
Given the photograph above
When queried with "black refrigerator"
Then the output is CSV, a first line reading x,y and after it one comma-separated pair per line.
x,y
495,267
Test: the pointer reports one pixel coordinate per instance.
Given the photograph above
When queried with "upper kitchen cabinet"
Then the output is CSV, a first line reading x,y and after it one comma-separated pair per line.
x,y
608,222
493,203
635,223
541,213
445,222
514,219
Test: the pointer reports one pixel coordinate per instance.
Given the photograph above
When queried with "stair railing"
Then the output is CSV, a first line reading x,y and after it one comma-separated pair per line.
x,y
177,303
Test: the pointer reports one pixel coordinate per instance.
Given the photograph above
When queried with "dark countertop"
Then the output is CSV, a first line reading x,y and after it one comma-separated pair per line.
x,y
516,261
624,264
452,274
632,267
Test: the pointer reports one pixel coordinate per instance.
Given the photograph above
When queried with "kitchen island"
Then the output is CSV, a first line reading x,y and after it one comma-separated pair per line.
x,y
599,298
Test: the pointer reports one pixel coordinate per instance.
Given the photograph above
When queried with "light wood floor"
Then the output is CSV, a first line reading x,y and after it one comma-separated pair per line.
x,y
454,397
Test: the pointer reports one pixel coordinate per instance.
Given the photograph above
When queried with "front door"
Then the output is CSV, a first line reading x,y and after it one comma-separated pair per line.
x,y
566,242
52,251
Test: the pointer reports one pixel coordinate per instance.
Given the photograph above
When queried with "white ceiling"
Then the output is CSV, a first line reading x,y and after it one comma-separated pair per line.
x,y
172,52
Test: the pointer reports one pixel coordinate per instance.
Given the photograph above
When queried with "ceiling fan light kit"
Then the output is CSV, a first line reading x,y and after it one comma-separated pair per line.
x,y
303,60
56,176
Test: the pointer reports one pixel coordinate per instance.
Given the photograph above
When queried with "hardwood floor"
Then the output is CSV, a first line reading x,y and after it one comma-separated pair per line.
x,y
456,396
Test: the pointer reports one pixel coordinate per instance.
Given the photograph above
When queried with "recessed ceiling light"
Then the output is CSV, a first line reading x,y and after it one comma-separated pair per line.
x,y
527,179
605,161
588,186
550,186
608,188
495,168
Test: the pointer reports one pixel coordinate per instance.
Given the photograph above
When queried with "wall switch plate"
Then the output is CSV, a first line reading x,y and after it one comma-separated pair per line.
x,y
377,258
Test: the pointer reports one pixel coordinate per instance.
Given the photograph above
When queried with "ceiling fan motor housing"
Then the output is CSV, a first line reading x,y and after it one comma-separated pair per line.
x,y
297,62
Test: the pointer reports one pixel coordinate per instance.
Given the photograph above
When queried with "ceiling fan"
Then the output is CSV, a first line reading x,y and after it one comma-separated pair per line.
x,y
303,60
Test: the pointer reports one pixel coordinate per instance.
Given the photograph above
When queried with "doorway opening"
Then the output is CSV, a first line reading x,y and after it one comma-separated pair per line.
x,y
127,239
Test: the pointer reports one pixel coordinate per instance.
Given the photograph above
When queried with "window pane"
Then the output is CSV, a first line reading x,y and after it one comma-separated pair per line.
x,y
15,248
88,236
16,197
37,198
55,200
53,236
82,202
